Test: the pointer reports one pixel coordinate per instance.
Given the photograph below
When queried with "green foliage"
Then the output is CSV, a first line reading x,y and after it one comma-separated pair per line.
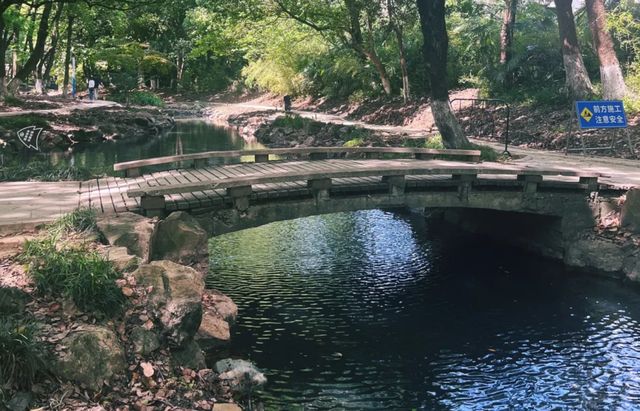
x,y
434,142
22,355
13,101
71,268
44,171
294,121
80,220
355,142
140,98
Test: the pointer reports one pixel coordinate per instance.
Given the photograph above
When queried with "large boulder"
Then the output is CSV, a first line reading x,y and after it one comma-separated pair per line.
x,y
595,253
179,238
213,332
221,304
190,356
630,215
121,259
93,356
145,342
242,376
174,299
129,230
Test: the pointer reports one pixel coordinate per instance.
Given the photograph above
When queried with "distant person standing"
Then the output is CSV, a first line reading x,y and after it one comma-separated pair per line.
x,y
92,89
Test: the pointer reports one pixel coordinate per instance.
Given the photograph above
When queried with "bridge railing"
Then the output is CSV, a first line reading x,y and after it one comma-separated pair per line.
x,y
239,189
134,168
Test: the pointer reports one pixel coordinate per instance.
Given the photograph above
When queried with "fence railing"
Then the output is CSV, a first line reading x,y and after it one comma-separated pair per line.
x,y
483,104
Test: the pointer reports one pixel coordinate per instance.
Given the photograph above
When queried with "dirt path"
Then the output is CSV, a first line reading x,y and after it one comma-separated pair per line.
x,y
79,105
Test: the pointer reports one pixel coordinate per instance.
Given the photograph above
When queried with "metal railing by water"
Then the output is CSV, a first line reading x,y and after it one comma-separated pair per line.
x,y
483,104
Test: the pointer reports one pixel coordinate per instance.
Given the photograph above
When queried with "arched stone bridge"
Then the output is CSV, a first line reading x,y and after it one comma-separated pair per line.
x,y
232,197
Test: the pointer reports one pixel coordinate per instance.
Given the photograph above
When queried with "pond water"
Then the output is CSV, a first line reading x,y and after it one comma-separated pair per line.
x,y
189,136
378,310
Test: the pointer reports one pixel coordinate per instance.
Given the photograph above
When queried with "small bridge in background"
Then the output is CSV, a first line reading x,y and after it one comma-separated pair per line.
x,y
230,197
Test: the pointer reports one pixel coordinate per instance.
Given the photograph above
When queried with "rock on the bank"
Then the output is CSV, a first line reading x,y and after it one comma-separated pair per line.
x,y
630,215
213,332
93,356
179,238
121,259
175,298
242,376
129,230
145,342
600,254
190,356
221,304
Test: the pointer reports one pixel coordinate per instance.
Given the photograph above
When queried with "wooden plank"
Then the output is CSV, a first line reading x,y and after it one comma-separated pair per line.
x,y
292,151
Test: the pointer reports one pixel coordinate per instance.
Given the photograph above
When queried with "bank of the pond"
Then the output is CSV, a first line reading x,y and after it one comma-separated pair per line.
x,y
115,324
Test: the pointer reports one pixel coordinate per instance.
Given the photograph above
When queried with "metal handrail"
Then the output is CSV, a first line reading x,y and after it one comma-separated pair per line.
x,y
491,100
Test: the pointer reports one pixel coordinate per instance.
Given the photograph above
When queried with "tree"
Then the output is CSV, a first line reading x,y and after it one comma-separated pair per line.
x,y
613,86
577,77
506,33
436,45
396,19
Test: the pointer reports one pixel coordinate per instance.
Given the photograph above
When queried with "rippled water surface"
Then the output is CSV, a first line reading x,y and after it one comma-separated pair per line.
x,y
375,310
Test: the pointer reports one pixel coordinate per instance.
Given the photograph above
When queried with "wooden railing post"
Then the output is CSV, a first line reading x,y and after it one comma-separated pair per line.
x,y
200,162
261,158
320,188
240,196
591,182
153,206
530,182
396,184
132,172
465,185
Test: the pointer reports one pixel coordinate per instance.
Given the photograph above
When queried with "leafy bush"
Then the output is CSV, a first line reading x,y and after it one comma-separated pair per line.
x,y
74,272
22,355
294,121
13,101
355,142
140,98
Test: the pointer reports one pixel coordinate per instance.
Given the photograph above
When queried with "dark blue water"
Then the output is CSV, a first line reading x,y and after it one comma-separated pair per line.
x,y
375,310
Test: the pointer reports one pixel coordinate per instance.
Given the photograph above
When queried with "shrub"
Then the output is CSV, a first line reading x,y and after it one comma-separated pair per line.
x,y
77,273
140,98
15,123
355,142
22,355
291,120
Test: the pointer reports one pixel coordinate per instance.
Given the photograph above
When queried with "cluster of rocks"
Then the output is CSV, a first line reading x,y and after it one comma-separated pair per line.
x,y
152,355
93,126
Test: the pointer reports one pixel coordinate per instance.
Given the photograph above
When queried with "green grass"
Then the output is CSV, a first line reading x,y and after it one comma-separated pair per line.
x,y
13,101
42,171
22,355
80,220
73,270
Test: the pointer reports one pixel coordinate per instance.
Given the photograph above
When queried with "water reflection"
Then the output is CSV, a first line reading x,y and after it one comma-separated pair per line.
x,y
191,136
375,310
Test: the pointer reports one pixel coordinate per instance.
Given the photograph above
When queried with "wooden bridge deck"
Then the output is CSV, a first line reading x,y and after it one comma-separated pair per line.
x,y
109,195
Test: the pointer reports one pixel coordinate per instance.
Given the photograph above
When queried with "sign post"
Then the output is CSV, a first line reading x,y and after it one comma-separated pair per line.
x,y
603,114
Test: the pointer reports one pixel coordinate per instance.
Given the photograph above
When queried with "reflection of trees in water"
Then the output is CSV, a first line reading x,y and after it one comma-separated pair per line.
x,y
188,137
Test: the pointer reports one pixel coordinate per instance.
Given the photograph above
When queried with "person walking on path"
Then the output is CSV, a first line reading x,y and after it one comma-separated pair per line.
x,y
92,89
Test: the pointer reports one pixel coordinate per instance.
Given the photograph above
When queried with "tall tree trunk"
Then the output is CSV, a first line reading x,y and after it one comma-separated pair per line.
x,y
367,50
49,58
577,78
397,29
436,45
506,38
38,51
613,87
67,55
